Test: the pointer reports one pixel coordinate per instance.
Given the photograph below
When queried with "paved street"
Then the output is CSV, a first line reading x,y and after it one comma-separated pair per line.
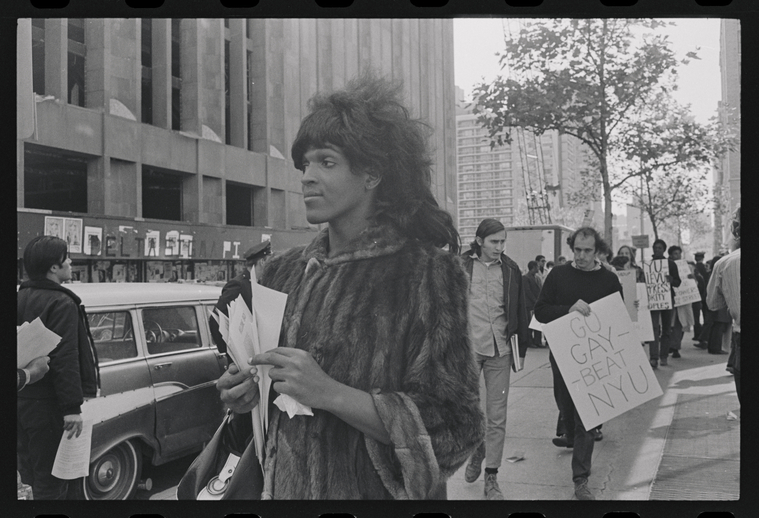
x,y
680,446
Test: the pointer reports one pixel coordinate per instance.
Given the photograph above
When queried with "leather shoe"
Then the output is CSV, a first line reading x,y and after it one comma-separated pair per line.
x,y
663,361
597,434
474,468
563,441
581,490
654,363
676,354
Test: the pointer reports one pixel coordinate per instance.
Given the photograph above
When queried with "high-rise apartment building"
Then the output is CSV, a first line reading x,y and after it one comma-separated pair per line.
x,y
160,147
518,183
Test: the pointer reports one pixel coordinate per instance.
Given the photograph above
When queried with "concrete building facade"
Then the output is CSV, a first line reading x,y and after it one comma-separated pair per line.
x,y
727,174
177,132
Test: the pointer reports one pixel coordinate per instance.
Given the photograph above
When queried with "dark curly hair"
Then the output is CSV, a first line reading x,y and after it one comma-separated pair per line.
x,y
367,121
586,232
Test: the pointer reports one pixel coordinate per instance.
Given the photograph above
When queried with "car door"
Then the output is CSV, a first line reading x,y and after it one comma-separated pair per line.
x,y
184,370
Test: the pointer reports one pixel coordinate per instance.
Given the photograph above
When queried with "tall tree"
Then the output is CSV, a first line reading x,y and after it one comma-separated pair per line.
x,y
671,154
581,77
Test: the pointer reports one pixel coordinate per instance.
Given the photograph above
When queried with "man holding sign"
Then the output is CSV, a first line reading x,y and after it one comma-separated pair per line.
x,y
661,277
572,287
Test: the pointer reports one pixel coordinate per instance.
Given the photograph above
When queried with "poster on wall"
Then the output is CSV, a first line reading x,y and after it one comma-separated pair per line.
x,y
119,273
658,287
155,271
172,243
79,273
100,271
601,360
185,245
93,237
73,233
152,238
54,226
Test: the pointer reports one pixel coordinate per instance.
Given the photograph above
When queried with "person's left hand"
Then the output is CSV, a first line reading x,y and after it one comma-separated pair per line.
x,y
295,372
72,423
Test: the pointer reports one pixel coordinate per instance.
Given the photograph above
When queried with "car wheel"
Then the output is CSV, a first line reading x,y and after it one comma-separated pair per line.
x,y
115,475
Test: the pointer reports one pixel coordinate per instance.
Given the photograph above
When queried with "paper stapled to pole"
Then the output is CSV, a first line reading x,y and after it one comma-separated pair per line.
x,y
33,340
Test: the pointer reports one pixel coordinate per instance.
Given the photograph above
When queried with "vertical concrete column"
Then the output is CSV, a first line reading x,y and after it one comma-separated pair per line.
x,y
191,78
125,69
98,63
56,58
119,188
238,111
212,200
192,198
261,82
161,73
20,173
98,170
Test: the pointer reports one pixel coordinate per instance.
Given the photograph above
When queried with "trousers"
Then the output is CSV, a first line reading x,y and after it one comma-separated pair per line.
x,y
497,373
662,323
39,427
583,439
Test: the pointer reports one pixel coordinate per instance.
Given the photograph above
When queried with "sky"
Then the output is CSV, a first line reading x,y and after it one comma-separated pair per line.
x,y
476,40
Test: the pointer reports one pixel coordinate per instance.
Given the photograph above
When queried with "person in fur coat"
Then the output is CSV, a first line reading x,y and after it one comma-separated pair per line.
x,y
375,336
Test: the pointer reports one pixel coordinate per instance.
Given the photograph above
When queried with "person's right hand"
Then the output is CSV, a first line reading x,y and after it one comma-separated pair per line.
x,y
581,307
239,389
37,368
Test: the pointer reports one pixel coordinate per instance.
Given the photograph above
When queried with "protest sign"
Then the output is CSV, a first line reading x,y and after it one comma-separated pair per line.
x,y
687,292
657,285
601,360
643,326
630,292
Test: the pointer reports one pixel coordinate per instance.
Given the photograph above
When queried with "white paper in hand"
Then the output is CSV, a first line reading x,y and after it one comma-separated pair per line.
x,y
287,404
33,340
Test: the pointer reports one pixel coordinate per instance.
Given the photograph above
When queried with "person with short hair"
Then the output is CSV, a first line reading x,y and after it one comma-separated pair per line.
x,y
572,287
561,260
51,408
497,311
531,292
541,260
375,335
681,314
662,319
255,257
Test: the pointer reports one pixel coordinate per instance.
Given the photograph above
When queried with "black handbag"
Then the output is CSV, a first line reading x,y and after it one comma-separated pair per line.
x,y
227,468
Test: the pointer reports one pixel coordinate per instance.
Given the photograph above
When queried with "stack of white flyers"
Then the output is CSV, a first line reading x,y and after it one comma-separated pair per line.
x,y
248,334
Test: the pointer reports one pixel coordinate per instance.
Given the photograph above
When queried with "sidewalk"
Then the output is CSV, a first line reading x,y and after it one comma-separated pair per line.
x,y
680,446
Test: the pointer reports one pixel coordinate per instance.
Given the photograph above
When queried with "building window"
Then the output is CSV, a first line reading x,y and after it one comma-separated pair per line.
x,y
147,71
240,204
176,76
161,194
38,55
54,180
76,56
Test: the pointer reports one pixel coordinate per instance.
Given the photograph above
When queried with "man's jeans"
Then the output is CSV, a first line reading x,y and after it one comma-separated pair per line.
x,y
497,372
583,439
662,322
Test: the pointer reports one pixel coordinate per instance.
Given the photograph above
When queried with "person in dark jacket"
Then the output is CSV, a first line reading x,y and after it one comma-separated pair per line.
x,y
572,287
531,292
663,319
255,257
497,311
52,406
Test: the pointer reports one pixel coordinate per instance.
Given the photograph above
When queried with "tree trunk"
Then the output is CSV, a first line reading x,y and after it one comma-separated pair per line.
x,y
608,221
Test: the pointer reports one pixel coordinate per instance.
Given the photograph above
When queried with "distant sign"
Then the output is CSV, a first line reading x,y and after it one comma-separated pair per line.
x,y
601,360
687,292
640,241
658,287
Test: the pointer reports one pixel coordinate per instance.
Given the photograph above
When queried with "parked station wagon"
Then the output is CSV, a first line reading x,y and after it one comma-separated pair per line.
x,y
158,368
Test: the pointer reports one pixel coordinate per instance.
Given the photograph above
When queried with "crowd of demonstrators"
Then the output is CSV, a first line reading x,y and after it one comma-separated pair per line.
x,y
497,311
572,287
724,292
49,403
375,334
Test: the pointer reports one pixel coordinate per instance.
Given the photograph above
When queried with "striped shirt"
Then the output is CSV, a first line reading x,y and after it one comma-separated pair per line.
x,y
724,288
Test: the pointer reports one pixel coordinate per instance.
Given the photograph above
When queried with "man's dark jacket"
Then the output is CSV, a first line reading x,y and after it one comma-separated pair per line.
x,y
239,285
73,371
513,296
531,290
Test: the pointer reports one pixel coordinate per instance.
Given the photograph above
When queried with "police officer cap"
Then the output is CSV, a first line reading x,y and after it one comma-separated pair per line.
x,y
258,250
699,254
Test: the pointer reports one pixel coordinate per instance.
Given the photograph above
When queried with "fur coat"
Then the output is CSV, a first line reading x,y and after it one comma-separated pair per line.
x,y
387,316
